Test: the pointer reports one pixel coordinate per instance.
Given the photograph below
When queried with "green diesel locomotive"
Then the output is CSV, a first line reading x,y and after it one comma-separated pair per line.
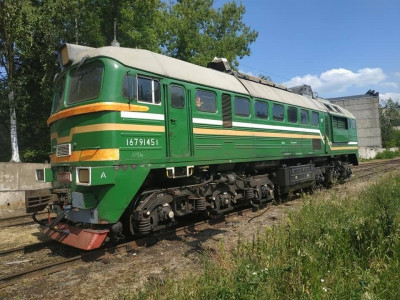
x,y
139,139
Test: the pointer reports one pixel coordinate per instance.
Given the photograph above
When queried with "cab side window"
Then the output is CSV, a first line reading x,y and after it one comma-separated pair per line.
x,y
129,87
149,90
142,89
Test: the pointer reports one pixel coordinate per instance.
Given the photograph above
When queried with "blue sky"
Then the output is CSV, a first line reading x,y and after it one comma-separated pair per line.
x,y
339,47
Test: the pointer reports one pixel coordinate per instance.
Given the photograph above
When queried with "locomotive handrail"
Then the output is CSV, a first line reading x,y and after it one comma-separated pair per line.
x,y
51,226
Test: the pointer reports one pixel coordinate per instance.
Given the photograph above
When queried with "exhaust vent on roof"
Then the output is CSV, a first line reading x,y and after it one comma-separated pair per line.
x,y
220,64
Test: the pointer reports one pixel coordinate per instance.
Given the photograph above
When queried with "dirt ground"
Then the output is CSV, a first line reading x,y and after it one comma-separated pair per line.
x,y
122,274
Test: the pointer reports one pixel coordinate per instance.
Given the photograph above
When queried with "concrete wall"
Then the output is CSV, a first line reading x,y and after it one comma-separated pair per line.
x,y
15,179
366,110
371,152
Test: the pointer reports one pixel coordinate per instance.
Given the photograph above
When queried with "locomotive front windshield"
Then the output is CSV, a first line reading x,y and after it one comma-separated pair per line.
x,y
85,82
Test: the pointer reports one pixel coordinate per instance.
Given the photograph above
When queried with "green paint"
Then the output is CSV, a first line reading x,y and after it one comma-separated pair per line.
x,y
89,201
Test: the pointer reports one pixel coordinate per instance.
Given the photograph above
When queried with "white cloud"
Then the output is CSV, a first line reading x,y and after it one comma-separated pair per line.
x,y
393,96
339,80
391,85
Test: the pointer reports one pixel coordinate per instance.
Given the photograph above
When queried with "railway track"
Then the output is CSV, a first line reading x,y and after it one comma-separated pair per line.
x,y
75,257
106,252
370,169
20,220
27,248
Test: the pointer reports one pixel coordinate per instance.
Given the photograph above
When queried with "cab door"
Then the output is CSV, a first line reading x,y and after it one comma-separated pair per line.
x,y
178,127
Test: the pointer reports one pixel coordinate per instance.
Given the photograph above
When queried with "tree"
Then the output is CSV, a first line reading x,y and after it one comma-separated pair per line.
x,y
32,30
197,32
389,116
27,52
142,24
14,20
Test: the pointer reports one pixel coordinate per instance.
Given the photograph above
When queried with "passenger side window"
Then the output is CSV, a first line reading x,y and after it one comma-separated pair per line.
x,y
292,114
278,112
261,109
314,118
149,90
303,116
242,107
206,101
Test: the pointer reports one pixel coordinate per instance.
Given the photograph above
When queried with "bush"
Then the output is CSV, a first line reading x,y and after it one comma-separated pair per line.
x,y
387,154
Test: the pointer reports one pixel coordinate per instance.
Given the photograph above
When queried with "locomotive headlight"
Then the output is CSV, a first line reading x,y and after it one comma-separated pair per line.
x,y
44,175
83,176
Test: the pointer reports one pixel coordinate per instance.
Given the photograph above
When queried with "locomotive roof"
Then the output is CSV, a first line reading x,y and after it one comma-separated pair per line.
x,y
174,68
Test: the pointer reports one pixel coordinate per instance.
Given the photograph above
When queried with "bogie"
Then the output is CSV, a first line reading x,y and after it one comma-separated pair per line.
x,y
224,192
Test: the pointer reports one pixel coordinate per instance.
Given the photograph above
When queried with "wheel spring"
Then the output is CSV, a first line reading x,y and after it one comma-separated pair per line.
x,y
249,194
144,226
201,203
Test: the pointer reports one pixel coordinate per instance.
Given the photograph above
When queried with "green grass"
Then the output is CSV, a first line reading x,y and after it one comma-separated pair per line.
x,y
330,249
387,154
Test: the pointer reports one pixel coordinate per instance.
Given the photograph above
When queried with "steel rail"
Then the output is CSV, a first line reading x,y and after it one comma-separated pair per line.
x,y
8,221
27,248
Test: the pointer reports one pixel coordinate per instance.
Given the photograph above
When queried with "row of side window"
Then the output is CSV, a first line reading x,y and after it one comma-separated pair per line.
x,y
148,90
206,102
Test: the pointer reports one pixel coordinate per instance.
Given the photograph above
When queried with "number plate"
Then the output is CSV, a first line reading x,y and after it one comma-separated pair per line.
x,y
64,177
142,142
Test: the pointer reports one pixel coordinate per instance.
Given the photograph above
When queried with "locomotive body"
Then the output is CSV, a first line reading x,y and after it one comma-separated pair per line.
x,y
139,139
